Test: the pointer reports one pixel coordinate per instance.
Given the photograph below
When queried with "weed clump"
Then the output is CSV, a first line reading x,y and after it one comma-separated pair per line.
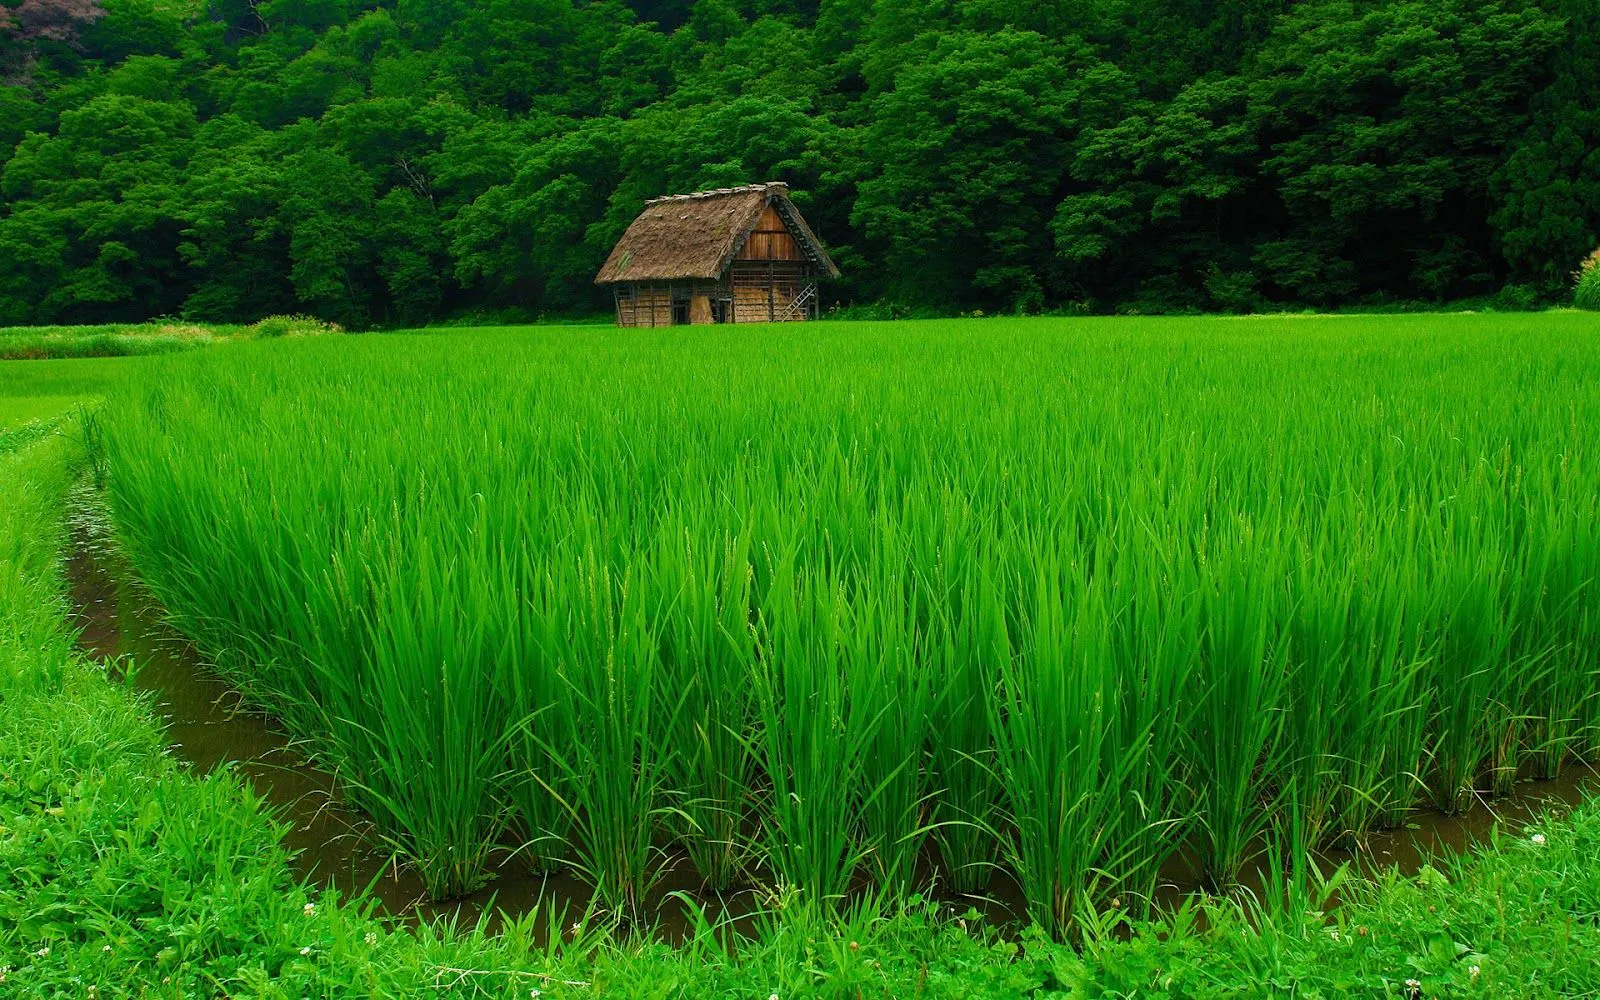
x,y
1587,294
293,326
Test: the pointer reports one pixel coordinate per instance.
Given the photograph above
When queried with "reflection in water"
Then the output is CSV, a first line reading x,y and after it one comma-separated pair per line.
x,y
336,846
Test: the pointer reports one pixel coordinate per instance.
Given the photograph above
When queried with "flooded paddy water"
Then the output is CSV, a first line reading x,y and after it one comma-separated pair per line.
x,y
209,726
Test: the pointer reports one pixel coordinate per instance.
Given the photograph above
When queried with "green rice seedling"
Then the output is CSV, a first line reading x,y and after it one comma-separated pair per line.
x,y
1558,619
1531,653
811,740
1320,698
1288,875
1353,740
1564,698
1473,641
1242,674
966,658
1380,765
434,775
890,693
1524,715
1062,741
539,713
1589,746
1381,760
435,739
1156,629
1396,624
708,660
615,763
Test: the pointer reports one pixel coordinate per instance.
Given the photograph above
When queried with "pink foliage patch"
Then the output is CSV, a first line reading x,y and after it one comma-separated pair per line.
x,y
49,20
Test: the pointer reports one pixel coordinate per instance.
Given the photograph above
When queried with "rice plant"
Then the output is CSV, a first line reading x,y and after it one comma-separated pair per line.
x,y
1067,746
890,694
813,739
614,764
965,658
708,660
1242,673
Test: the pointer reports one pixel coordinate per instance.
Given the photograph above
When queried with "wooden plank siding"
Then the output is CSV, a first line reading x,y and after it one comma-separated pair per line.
x,y
670,303
764,290
644,305
770,239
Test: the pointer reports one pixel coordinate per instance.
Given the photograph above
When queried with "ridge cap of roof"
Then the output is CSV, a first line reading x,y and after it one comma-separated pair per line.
x,y
762,188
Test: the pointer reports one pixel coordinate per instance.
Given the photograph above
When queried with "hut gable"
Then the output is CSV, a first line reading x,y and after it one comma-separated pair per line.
x,y
696,236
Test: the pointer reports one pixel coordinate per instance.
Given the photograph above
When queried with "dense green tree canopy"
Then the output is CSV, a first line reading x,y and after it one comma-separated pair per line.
x,y
400,161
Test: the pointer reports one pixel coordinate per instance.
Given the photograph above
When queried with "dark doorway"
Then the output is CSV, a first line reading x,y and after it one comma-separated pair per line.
x,y
680,313
719,310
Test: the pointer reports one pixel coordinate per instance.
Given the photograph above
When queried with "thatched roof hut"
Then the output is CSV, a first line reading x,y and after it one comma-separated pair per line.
x,y
731,255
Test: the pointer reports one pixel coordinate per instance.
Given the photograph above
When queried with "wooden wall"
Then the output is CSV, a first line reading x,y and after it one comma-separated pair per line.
x,y
762,292
634,305
770,240
764,281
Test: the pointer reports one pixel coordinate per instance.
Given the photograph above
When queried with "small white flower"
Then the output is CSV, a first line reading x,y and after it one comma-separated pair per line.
x,y
371,938
1333,932
310,909
535,994
1538,839
1473,972
306,950
43,952
775,996
575,927
105,947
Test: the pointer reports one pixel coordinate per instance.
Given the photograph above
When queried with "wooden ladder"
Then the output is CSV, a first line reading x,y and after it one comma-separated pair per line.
x,y
800,306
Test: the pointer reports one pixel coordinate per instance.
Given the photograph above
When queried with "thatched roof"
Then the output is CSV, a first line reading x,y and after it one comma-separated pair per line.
x,y
689,236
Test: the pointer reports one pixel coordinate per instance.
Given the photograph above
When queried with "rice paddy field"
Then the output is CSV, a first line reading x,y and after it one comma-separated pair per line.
x,y
840,609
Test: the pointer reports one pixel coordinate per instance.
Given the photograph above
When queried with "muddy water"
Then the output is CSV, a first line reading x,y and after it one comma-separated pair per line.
x,y
208,727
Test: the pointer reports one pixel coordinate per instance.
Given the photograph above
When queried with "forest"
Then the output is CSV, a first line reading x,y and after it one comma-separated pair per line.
x,y
394,163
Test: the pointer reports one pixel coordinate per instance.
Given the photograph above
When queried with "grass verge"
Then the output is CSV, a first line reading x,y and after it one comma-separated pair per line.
x,y
123,874
34,343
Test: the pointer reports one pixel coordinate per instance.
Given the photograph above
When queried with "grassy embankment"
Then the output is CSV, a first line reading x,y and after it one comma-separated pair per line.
x,y
125,873
126,339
